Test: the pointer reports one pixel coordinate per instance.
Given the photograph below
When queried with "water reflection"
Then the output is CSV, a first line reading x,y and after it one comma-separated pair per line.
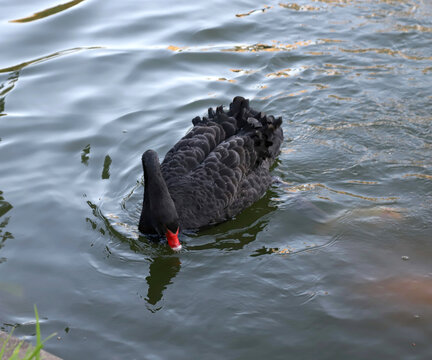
x,y
276,46
46,57
264,9
308,187
107,227
164,266
235,234
231,235
298,7
47,12
85,155
4,235
106,168
387,51
162,271
5,88
5,207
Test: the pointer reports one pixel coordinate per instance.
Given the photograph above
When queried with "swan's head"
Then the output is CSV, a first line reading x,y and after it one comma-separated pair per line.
x,y
159,214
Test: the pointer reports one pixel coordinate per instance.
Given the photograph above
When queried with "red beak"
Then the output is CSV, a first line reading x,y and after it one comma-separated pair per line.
x,y
173,240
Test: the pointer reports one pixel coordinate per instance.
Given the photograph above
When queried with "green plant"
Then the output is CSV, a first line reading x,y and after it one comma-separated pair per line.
x,y
32,352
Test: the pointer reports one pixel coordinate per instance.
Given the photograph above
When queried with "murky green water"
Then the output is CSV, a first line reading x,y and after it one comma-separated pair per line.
x,y
335,262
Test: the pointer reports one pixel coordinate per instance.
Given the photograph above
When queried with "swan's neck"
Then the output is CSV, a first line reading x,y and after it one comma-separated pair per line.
x,y
158,213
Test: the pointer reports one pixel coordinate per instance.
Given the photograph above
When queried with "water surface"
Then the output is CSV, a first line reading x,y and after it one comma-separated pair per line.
x,y
334,261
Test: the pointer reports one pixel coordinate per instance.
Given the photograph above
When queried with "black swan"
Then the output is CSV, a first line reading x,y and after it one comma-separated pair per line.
x,y
219,168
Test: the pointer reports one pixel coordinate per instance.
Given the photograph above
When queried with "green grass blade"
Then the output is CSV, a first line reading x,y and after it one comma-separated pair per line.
x,y
38,333
35,353
48,337
38,348
32,352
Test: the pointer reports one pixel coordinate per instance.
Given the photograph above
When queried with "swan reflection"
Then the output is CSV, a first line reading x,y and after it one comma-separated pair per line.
x,y
162,272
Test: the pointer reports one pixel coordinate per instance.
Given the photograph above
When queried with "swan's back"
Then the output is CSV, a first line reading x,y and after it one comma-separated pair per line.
x,y
222,165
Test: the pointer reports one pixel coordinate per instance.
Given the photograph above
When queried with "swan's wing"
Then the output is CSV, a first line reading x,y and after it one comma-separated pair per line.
x,y
233,176
209,132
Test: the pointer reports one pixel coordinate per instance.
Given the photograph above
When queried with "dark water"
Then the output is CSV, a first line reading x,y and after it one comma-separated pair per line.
x,y
333,262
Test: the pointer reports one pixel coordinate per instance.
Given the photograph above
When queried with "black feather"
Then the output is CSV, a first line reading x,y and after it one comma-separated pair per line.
x,y
221,166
